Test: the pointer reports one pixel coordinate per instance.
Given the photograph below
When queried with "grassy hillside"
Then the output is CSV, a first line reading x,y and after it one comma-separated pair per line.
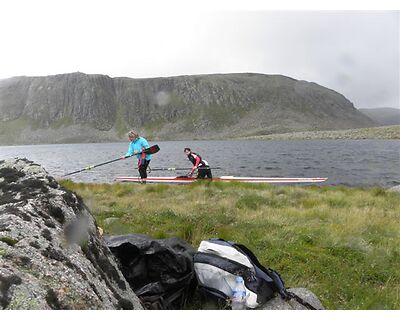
x,y
388,132
342,243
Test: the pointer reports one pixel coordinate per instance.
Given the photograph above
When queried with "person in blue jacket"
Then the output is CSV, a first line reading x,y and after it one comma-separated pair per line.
x,y
137,145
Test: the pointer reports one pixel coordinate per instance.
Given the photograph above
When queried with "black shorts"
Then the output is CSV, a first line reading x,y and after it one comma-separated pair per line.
x,y
204,172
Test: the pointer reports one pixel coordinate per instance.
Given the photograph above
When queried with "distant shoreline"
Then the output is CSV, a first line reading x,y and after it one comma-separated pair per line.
x,y
372,133
377,133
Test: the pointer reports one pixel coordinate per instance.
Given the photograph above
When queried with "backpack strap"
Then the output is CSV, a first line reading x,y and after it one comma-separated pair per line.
x,y
291,295
169,300
278,282
276,278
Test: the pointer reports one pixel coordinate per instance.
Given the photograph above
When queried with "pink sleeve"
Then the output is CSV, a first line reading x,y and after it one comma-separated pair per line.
x,y
197,161
196,164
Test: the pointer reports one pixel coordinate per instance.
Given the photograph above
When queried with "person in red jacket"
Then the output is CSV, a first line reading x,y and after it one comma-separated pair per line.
x,y
203,169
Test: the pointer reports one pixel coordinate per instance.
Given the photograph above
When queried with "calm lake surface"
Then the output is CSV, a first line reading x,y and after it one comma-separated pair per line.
x,y
344,162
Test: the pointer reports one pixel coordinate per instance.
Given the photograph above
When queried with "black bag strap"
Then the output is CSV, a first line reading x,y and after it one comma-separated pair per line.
x,y
291,295
180,293
165,300
276,278
278,281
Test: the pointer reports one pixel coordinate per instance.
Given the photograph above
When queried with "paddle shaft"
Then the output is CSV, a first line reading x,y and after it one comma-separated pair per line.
x,y
94,166
150,150
177,169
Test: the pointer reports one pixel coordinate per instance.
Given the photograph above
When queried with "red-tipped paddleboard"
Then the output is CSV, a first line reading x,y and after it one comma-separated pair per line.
x,y
184,180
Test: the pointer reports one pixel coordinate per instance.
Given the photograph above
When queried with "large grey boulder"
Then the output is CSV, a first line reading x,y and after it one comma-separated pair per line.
x,y
51,256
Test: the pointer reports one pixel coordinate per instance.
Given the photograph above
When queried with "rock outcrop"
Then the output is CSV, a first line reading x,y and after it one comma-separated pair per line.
x,y
51,256
306,295
91,108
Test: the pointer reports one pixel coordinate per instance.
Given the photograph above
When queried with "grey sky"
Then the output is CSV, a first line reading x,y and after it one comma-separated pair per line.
x,y
353,52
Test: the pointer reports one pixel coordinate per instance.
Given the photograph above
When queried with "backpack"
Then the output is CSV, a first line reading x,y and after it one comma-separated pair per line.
x,y
217,263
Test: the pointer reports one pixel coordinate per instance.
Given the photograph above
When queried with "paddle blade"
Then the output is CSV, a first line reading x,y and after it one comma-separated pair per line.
x,y
152,149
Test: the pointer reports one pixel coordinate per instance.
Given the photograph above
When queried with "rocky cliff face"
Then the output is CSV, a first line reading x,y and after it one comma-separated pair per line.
x,y
50,254
82,99
77,106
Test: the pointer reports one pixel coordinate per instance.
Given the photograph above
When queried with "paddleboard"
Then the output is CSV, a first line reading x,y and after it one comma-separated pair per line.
x,y
185,180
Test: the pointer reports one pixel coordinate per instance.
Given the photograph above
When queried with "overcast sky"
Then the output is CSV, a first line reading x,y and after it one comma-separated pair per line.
x,y
353,52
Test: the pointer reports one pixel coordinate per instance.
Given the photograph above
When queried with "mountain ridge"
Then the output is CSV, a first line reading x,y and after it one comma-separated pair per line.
x,y
383,116
34,109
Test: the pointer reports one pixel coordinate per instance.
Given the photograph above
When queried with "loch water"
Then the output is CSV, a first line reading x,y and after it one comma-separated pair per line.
x,y
344,162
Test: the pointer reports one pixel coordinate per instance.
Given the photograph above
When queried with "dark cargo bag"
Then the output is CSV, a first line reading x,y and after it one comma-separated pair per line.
x,y
160,272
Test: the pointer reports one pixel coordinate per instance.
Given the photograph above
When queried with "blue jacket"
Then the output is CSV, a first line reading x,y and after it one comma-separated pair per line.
x,y
137,146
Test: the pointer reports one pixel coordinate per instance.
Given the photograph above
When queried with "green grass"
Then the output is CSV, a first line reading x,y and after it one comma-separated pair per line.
x,y
341,243
10,241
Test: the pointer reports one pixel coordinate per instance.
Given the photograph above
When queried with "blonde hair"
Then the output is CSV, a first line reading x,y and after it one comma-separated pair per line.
x,y
133,134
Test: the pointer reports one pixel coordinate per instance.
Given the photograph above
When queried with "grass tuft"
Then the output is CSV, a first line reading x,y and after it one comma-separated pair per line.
x,y
10,241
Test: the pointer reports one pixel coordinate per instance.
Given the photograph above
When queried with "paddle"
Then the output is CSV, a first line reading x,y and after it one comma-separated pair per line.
x,y
177,169
150,150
